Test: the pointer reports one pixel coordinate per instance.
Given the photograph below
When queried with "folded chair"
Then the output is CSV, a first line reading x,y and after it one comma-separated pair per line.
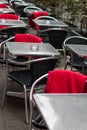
x,y
26,77
58,81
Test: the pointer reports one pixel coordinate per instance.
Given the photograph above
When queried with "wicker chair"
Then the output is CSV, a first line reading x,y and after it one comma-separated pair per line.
x,y
27,76
55,36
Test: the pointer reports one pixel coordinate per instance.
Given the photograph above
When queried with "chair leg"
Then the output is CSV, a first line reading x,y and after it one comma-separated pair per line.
x,y
26,105
31,114
83,68
4,92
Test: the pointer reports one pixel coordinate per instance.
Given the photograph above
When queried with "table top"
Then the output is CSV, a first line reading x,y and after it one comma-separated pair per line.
x,y
4,10
26,48
9,22
80,50
3,2
63,112
53,23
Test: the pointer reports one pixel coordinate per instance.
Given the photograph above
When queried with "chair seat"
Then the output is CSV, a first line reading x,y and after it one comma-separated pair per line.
x,y
23,77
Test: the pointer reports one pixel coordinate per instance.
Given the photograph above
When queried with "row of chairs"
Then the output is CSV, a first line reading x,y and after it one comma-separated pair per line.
x,y
27,76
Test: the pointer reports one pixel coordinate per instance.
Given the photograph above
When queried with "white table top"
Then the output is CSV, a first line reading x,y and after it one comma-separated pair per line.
x,y
51,23
3,2
8,22
63,112
4,10
42,49
80,50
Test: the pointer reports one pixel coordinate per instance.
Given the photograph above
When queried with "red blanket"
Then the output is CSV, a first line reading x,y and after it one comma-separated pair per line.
x,y
65,81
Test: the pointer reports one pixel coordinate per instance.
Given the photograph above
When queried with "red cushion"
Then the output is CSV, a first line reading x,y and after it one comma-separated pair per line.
x,y
9,16
40,13
2,26
27,38
3,6
65,81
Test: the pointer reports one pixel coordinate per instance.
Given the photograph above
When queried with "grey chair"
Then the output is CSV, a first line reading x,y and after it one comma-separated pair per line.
x,y
71,58
25,77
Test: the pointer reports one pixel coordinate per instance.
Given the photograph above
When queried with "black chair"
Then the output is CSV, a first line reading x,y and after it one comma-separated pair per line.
x,y
25,77
56,37
10,31
71,58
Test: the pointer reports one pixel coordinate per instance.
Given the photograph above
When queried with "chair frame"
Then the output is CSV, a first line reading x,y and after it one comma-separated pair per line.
x,y
32,7
24,86
46,17
31,102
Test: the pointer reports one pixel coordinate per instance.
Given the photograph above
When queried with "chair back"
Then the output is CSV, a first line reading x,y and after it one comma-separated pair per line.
x,y
36,15
65,81
42,66
12,3
56,37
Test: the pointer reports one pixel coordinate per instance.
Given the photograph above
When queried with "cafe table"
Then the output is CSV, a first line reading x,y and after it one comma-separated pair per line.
x,y
31,49
63,111
6,10
8,22
50,23
80,50
3,2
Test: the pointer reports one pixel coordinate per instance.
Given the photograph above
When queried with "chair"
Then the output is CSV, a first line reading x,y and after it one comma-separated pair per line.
x,y
8,16
12,3
71,58
58,81
35,15
35,8
55,36
30,15
27,76
9,31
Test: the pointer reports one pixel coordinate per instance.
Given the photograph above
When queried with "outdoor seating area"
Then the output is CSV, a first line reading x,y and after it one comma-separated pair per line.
x,y
43,69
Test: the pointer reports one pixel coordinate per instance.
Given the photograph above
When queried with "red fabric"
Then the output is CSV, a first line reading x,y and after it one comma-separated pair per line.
x,y
9,16
3,5
2,26
27,38
35,15
65,81
40,13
